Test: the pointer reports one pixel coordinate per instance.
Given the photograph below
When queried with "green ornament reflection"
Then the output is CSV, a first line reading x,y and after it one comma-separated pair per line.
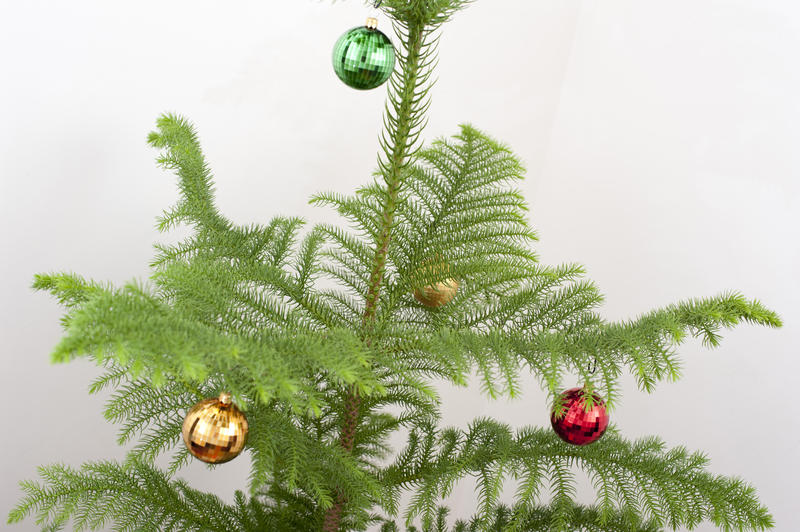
x,y
363,58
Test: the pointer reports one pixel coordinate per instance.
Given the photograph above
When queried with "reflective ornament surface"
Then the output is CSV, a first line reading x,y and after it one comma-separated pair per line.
x,y
437,294
573,423
363,58
215,430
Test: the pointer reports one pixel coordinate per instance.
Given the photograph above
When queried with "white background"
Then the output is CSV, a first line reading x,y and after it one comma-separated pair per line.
x,y
660,138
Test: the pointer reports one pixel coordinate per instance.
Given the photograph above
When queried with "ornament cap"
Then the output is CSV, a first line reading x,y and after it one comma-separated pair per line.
x,y
372,23
225,398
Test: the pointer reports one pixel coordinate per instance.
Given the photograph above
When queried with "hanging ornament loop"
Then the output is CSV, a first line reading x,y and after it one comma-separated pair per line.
x,y
375,12
591,369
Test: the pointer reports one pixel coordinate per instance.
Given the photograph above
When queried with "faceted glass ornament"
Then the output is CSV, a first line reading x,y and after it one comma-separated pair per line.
x,y
438,294
215,430
573,423
363,58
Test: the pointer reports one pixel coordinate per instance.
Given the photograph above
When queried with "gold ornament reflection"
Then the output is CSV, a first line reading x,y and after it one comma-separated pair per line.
x,y
215,430
437,294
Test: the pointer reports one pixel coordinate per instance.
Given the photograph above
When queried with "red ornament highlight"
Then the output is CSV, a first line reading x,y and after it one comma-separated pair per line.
x,y
574,424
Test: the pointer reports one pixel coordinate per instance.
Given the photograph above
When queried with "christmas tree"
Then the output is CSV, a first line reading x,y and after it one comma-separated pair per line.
x,y
330,340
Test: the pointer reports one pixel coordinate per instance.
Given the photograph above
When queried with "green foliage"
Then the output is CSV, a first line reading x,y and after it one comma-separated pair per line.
x,y
581,519
295,322
134,327
136,496
669,488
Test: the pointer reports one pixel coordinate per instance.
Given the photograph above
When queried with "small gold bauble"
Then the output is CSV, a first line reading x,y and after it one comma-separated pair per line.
x,y
215,430
437,294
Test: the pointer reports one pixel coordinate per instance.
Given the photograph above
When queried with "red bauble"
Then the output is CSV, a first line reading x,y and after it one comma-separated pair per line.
x,y
575,425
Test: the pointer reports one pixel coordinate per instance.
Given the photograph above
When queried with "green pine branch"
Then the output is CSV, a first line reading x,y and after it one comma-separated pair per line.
x,y
132,496
536,519
301,462
669,488
135,328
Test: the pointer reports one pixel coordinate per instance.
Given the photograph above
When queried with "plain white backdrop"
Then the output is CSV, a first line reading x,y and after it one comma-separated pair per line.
x,y
660,138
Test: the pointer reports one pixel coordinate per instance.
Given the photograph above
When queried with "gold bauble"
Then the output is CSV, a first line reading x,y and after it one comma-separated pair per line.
x,y
215,430
437,294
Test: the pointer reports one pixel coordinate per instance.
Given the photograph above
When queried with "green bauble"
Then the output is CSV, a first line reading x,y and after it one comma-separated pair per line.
x,y
363,58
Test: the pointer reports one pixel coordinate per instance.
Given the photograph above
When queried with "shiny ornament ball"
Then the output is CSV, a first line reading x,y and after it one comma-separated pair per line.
x,y
573,423
363,58
437,294
215,430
